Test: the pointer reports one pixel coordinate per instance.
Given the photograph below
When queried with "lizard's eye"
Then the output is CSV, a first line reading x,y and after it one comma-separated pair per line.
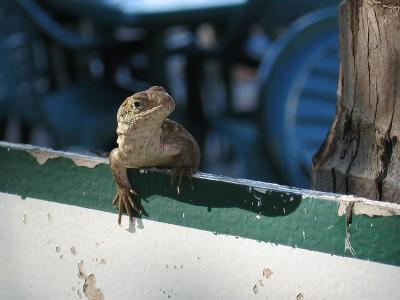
x,y
137,104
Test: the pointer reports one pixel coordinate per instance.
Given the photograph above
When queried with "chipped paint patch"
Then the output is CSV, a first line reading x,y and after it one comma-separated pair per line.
x,y
89,286
260,284
260,190
257,189
300,296
81,161
81,270
267,273
90,290
84,162
368,207
41,156
347,244
255,289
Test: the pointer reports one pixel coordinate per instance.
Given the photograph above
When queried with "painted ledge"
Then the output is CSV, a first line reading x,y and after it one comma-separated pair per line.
x,y
330,223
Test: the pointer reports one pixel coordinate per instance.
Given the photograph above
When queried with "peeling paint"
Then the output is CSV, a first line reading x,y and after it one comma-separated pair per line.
x,y
42,157
84,162
255,289
81,270
299,296
256,193
90,290
73,251
89,286
347,244
24,219
257,197
349,206
368,207
260,190
267,273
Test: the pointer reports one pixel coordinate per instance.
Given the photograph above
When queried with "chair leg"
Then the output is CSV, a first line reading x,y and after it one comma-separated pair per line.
x,y
25,132
197,122
3,126
227,78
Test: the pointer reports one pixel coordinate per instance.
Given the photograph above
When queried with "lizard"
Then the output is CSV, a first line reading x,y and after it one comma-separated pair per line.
x,y
146,138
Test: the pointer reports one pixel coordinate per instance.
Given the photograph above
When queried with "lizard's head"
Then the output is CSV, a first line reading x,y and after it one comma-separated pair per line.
x,y
153,104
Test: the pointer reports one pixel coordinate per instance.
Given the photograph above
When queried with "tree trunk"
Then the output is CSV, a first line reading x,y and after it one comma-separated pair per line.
x,y
361,154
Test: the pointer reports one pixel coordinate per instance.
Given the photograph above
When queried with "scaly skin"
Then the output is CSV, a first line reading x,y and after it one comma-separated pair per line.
x,y
146,138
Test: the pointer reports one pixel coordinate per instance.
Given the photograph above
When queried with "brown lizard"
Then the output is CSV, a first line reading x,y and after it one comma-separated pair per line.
x,y
146,138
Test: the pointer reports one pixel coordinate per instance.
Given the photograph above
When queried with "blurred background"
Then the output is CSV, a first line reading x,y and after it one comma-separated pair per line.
x,y
254,81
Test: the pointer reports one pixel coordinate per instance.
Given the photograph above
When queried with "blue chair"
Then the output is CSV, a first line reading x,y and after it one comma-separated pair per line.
x,y
23,69
298,94
79,113
296,103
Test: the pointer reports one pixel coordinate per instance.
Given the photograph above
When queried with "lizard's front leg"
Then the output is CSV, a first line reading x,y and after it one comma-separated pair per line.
x,y
185,164
125,194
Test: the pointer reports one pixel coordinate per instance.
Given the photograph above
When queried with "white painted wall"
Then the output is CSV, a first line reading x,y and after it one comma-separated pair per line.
x,y
153,260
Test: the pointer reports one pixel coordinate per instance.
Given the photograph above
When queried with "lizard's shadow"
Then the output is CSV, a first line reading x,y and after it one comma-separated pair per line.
x,y
211,193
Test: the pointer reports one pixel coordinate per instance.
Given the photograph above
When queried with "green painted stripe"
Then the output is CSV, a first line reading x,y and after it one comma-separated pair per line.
x,y
241,208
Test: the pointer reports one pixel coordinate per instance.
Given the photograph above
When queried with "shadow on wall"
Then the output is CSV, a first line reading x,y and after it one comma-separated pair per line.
x,y
215,194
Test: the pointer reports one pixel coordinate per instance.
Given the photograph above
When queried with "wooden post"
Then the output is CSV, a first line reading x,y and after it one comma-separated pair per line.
x,y
361,154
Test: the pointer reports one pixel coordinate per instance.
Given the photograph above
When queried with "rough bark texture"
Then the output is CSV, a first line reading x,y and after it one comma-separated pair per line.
x,y
361,155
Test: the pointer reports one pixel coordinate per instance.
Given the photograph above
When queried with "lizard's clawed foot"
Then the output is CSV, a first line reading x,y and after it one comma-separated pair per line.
x,y
124,201
177,174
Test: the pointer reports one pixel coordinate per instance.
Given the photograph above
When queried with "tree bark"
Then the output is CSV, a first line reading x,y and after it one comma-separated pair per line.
x,y
361,154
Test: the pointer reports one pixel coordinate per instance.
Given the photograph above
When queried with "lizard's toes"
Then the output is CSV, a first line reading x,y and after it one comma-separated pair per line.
x,y
124,201
177,175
